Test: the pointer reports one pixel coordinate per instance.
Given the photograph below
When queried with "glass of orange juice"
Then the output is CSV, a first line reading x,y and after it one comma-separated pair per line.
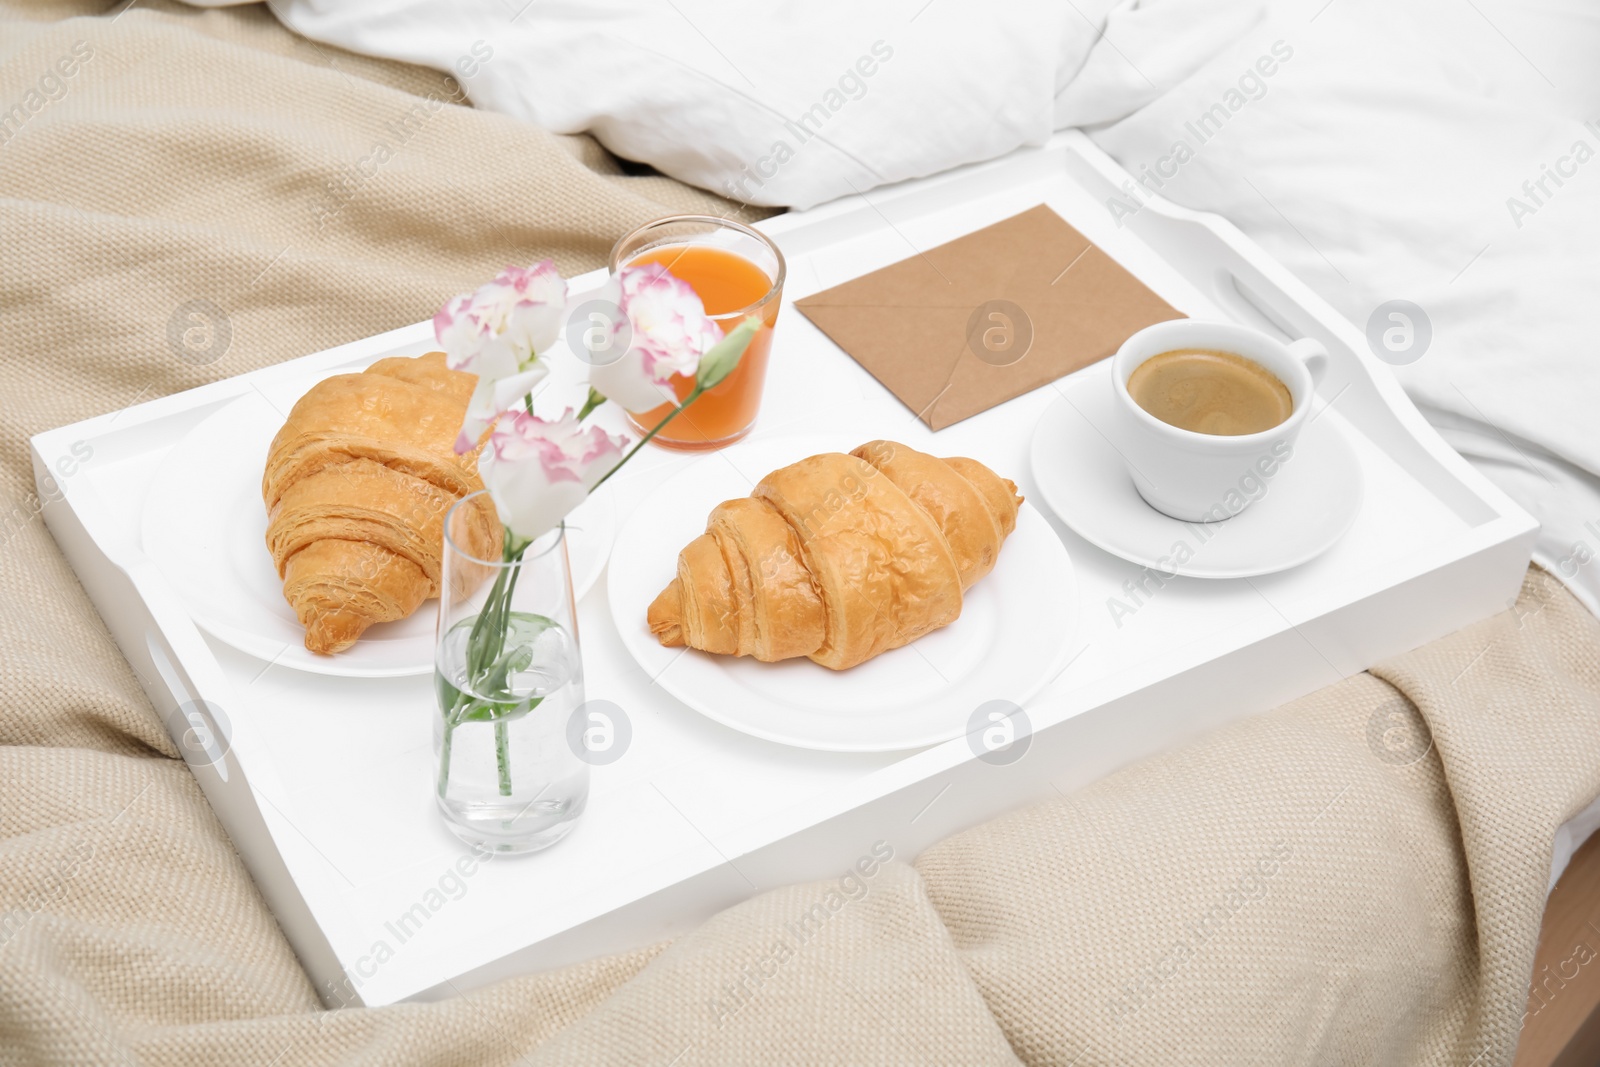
x,y
737,272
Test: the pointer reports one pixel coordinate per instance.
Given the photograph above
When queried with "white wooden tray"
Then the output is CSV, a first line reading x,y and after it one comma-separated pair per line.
x,y
323,783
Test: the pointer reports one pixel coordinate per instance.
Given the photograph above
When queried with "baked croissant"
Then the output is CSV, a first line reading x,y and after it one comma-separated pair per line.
x,y
838,558
357,485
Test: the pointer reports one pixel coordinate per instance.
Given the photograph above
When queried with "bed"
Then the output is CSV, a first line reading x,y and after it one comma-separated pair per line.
x,y
214,156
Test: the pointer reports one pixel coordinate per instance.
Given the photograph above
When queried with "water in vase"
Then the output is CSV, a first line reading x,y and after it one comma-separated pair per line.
x,y
507,778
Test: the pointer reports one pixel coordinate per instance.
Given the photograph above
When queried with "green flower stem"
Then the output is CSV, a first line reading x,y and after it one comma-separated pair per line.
x,y
502,755
444,748
694,394
502,731
485,652
515,549
594,401
476,643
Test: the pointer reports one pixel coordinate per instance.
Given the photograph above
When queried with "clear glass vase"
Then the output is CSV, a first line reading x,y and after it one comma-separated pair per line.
x,y
508,675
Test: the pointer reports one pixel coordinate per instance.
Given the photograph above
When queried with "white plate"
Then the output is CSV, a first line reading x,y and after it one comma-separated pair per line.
x,y
1015,631
205,528
1308,504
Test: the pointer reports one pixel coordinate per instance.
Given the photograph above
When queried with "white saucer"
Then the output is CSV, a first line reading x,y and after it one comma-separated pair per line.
x,y
1015,633
204,526
1308,504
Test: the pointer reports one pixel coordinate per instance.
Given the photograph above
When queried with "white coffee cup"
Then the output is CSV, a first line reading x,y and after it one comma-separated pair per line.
x,y
1202,477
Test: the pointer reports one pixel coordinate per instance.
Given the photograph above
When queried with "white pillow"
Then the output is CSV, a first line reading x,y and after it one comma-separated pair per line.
x,y
797,103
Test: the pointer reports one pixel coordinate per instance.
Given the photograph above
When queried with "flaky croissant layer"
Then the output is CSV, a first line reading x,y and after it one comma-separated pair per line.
x,y
357,485
838,557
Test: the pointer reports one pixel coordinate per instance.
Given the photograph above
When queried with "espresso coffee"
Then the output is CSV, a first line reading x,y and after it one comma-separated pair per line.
x,y
1212,392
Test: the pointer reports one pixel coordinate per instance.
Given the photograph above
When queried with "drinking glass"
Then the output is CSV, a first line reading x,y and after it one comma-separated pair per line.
x,y
508,675
737,272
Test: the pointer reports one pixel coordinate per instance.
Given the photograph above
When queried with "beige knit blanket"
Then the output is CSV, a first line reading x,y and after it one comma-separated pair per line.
x,y
1354,878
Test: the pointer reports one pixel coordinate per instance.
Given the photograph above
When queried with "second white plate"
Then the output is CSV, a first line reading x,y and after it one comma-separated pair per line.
x,y
205,528
1015,632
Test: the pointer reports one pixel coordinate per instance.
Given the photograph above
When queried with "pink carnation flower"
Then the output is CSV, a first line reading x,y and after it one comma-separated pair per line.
x,y
537,470
664,327
497,332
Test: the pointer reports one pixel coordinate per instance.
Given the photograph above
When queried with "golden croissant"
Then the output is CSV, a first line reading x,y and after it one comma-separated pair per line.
x,y
838,558
357,485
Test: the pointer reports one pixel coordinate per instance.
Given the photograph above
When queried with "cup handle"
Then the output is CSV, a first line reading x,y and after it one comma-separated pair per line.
x,y
1313,355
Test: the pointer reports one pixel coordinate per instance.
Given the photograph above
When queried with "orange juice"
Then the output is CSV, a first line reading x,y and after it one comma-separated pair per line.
x,y
727,284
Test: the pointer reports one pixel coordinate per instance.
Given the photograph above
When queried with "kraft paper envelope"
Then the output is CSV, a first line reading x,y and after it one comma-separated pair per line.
x,y
957,329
